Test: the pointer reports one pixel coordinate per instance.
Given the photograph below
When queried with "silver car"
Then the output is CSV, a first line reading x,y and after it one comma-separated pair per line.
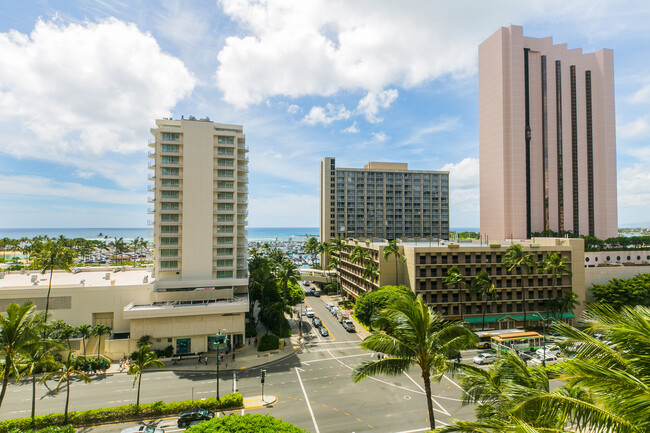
x,y
143,428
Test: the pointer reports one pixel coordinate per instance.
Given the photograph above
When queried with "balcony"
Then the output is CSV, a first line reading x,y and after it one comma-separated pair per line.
x,y
242,190
241,266
151,211
242,212
242,168
236,304
150,222
242,146
151,143
242,233
151,199
151,188
151,165
151,177
242,201
151,154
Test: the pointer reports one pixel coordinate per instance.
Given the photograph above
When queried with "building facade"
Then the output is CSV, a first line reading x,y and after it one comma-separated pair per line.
x,y
546,137
383,200
426,267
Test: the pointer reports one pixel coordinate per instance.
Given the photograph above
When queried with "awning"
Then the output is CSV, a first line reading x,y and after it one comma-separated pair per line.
x,y
531,317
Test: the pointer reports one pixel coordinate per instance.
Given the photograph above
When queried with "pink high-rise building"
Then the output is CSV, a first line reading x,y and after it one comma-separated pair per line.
x,y
547,138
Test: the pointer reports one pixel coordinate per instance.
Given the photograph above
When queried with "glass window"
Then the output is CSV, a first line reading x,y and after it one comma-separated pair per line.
x,y
226,140
170,194
169,217
170,171
223,173
224,206
224,195
171,148
170,182
225,151
168,241
170,159
224,241
166,264
224,251
221,162
171,136
225,184
224,274
169,253
225,218
224,229
224,262
169,206
168,229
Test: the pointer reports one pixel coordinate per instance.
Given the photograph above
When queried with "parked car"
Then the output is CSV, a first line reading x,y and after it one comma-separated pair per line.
x,y
333,311
316,322
193,416
143,428
348,325
537,360
554,349
323,331
329,307
484,358
309,312
317,293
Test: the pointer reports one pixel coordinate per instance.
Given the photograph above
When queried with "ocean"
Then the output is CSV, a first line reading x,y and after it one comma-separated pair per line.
x,y
254,233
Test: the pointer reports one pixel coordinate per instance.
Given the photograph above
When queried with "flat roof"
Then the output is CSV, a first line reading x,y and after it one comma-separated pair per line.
x,y
92,278
516,336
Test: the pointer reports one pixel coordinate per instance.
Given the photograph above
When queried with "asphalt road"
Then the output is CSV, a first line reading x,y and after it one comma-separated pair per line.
x,y
313,388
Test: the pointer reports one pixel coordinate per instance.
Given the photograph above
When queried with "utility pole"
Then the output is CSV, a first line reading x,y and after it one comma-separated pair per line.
x,y
262,380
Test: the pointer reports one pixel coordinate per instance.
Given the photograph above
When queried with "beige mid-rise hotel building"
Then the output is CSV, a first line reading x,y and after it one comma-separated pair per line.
x,y
547,138
383,200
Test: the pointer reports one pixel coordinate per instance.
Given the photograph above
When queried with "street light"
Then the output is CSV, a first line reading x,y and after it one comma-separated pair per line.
x,y
301,303
219,336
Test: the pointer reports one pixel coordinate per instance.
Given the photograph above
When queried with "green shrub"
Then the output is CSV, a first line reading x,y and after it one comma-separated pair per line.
x,y
245,424
251,330
167,352
119,413
268,342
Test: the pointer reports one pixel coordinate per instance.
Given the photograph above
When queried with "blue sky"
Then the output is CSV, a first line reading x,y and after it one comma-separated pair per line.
x,y
82,82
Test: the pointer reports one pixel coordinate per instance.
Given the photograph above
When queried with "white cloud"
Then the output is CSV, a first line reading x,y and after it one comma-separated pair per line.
x,y
634,186
373,101
380,136
637,128
35,187
352,129
441,125
83,94
293,109
463,191
327,114
641,96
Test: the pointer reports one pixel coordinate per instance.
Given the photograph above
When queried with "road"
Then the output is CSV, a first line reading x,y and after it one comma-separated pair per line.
x,y
313,388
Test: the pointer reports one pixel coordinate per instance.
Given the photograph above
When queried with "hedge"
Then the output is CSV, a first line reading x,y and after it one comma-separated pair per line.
x,y
245,424
120,413
268,342
65,429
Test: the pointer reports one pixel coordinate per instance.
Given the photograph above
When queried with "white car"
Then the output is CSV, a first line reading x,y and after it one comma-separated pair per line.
x,y
309,312
484,358
537,359
143,428
549,349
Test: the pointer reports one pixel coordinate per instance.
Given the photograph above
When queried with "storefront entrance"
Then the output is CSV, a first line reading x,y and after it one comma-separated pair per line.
x,y
183,345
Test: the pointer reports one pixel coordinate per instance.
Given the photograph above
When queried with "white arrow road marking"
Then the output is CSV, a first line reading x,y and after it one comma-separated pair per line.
x,y
311,412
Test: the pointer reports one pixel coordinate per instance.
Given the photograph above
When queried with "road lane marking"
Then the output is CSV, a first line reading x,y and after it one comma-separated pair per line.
x,y
432,399
311,412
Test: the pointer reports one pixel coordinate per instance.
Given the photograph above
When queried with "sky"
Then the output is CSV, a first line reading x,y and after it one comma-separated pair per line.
x,y
82,82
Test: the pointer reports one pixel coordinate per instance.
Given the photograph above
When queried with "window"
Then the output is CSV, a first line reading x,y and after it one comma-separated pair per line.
x,y
225,151
227,218
168,229
171,148
224,241
224,274
225,184
224,262
169,217
224,229
168,264
170,159
171,136
226,140
223,173
224,251
169,253
224,206
169,206
221,162
170,182
224,195
170,171
168,241
170,194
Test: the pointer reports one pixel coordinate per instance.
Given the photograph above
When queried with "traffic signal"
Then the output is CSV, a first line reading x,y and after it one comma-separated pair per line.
x,y
263,375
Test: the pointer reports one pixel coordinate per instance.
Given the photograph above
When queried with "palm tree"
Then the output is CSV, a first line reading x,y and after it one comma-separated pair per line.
x,y
371,272
556,265
84,331
37,358
337,246
18,331
392,249
119,246
53,255
360,255
455,278
568,303
286,272
99,330
483,287
515,257
144,358
66,371
610,361
311,247
413,335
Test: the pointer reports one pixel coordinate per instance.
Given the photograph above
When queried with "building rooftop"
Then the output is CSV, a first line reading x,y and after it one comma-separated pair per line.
x,y
94,278
426,242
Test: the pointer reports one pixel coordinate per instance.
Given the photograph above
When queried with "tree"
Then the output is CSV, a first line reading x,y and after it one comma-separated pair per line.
x,y
84,331
248,423
515,257
144,358
337,246
371,272
371,303
360,255
413,334
568,302
556,265
483,287
392,249
38,357
118,245
99,330
286,272
311,247
53,255
623,292
609,360
66,371
18,332
455,278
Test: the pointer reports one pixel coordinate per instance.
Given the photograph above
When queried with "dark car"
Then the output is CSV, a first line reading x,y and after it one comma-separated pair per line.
x,y
317,293
323,331
193,416
316,322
